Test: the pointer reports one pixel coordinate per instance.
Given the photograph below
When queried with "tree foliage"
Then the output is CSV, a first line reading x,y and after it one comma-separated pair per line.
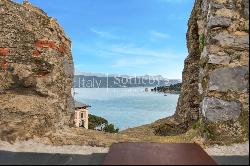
x,y
110,128
96,121
101,123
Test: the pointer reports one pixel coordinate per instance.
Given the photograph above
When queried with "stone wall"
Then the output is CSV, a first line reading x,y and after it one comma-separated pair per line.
x,y
215,88
224,68
187,111
36,72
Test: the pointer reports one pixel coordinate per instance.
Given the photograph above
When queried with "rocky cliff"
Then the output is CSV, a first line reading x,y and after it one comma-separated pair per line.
x,y
215,92
36,73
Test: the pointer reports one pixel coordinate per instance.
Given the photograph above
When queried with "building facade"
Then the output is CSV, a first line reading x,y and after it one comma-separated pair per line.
x,y
81,115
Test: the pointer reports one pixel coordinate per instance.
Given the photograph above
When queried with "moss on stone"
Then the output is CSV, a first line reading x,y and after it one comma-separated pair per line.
x,y
244,121
202,42
221,133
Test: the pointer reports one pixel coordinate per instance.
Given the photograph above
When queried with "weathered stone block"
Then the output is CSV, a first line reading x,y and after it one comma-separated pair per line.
x,y
246,8
217,59
4,51
204,5
61,49
223,79
68,68
220,110
200,88
45,44
218,21
228,13
36,53
204,53
214,5
231,41
4,65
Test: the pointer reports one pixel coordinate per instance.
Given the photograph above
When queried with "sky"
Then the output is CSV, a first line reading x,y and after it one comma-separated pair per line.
x,y
133,37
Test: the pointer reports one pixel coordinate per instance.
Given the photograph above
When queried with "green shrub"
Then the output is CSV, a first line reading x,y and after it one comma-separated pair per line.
x,y
96,121
110,128
101,123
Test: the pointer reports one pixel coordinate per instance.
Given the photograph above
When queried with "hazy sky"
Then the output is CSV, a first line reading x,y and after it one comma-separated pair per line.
x,y
124,36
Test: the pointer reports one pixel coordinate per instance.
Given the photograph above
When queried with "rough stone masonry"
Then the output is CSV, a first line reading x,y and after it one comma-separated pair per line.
x,y
224,68
36,73
215,90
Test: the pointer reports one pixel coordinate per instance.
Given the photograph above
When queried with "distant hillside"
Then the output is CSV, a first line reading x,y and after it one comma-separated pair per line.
x,y
113,81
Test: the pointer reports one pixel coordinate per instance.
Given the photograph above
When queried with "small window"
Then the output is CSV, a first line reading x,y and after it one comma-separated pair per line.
x,y
81,115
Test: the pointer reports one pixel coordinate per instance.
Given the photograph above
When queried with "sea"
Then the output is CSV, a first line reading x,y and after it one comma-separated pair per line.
x,y
127,107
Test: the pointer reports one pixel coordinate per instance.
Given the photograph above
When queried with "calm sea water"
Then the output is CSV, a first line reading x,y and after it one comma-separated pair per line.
x,y
127,107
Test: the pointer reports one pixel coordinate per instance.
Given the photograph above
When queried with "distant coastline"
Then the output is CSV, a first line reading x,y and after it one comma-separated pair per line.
x,y
173,89
127,107
121,81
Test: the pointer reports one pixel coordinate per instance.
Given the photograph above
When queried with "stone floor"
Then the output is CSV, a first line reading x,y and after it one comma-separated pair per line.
x,y
24,158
